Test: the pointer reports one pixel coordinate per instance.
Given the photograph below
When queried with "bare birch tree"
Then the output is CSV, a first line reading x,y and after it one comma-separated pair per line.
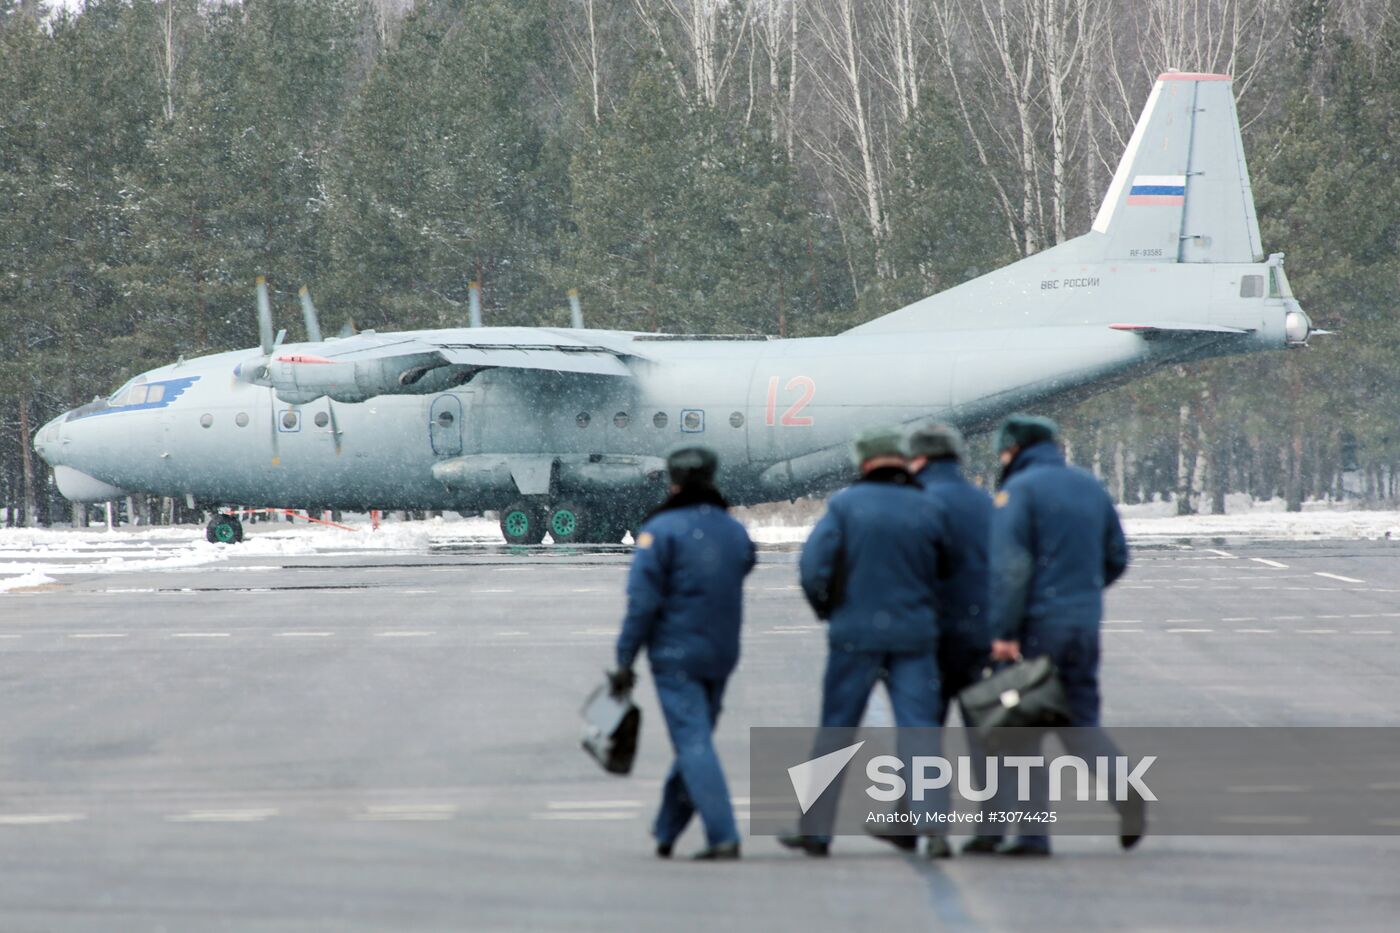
x,y
837,66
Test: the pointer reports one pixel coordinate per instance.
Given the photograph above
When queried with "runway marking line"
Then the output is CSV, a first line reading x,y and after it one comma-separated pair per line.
x,y
1241,619
256,815
1268,788
1256,631
1279,820
39,819
98,635
1221,553
408,812
1337,576
1190,631
1269,563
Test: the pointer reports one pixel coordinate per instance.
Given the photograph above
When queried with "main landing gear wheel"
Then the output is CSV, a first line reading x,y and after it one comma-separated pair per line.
x,y
568,523
224,529
523,523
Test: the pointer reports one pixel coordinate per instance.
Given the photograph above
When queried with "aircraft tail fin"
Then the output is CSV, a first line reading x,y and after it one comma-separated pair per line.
x,y
1181,192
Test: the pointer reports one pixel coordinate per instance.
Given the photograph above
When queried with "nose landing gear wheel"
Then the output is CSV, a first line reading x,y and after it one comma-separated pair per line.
x,y
523,523
568,523
224,529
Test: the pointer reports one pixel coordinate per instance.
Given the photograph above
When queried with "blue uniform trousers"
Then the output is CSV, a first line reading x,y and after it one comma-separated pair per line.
x,y
1074,647
911,679
696,782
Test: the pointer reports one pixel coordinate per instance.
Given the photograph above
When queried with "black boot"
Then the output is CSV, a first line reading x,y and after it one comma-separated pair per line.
x,y
1132,821
1024,847
724,852
938,847
902,843
807,844
663,849
981,845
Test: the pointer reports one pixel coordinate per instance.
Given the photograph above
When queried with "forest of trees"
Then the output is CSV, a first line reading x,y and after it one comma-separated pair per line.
x,y
790,167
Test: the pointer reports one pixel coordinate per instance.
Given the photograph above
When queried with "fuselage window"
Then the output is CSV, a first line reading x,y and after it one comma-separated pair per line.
x,y
445,419
206,421
241,419
621,419
322,419
289,420
659,419
736,420
583,419
1252,286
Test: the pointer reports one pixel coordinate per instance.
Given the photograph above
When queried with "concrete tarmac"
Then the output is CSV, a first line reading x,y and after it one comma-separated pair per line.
x,y
389,741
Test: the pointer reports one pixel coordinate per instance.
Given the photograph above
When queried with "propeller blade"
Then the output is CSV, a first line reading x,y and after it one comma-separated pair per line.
x,y
264,318
575,310
335,428
474,308
308,313
272,423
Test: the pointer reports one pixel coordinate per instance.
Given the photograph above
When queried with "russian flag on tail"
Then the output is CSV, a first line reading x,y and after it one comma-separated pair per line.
x,y
1158,189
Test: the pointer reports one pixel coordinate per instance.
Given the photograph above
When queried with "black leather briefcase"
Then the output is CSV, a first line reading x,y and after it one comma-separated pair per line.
x,y
1026,694
611,725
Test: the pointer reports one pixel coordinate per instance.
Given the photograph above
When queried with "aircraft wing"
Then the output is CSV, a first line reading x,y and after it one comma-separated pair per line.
x,y
369,364
1180,331
517,348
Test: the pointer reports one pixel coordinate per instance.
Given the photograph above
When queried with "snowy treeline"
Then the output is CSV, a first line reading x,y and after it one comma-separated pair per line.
x,y
778,166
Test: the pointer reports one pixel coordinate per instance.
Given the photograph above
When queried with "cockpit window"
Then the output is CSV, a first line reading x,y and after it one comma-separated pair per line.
x,y
155,394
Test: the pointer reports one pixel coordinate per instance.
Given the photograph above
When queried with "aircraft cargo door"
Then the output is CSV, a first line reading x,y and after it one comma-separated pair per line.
x,y
445,425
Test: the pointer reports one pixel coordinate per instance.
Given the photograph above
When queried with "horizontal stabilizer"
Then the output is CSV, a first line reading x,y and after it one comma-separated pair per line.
x,y
1179,331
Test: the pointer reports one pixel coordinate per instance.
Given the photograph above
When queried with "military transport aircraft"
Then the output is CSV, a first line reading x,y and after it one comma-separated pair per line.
x,y
563,431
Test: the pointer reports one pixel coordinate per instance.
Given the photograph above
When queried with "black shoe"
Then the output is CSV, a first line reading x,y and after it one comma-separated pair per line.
x,y
902,843
663,849
1020,847
981,845
807,844
938,847
724,852
1132,821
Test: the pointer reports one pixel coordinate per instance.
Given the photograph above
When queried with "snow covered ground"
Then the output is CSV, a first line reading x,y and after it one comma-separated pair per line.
x,y
32,558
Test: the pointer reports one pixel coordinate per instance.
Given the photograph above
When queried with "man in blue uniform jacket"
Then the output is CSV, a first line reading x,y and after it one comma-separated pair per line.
x,y
685,595
964,617
1056,545
869,569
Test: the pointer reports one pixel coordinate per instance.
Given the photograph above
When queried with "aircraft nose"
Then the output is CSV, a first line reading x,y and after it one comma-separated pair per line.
x,y
49,440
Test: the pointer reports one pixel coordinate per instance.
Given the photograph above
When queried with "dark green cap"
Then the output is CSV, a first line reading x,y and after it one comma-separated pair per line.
x,y
878,442
1025,430
937,442
692,463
